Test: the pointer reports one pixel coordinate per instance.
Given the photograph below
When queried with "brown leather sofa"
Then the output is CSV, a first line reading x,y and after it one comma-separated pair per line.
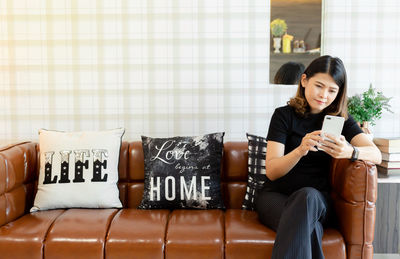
x,y
132,233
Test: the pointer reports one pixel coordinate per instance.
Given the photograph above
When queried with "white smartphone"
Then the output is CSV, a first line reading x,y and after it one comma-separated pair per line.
x,y
333,125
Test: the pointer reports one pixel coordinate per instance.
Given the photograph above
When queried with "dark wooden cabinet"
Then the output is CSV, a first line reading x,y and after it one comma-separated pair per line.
x,y
387,221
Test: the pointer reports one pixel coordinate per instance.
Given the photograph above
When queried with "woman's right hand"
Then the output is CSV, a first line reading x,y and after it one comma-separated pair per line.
x,y
309,142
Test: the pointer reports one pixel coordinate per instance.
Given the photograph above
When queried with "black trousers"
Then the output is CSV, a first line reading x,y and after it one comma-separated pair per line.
x,y
297,219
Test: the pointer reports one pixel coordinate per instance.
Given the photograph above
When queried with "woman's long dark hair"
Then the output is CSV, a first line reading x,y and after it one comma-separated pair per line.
x,y
335,68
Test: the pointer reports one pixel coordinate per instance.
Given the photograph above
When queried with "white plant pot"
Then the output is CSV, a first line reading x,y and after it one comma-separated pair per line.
x,y
277,44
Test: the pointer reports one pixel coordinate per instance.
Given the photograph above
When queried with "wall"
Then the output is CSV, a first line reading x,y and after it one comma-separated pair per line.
x,y
366,35
170,67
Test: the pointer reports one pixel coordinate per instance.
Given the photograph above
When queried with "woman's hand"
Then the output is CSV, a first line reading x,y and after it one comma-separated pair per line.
x,y
337,147
309,142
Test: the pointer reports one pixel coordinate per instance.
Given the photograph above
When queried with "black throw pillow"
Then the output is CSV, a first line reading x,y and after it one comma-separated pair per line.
x,y
257,147
182,172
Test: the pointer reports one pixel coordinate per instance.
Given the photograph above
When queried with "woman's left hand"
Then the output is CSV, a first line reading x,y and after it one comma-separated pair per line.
x,y
337,147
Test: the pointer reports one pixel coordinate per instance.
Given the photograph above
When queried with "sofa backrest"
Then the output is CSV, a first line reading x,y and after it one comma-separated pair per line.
x,y
233,174
19,171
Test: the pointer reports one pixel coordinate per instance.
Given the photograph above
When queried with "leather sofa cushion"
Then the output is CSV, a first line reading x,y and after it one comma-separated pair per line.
x,y
79,233
123,162
91,233
136,161
195,234
24,238
235,162
135,193
137,234
233,194
242,226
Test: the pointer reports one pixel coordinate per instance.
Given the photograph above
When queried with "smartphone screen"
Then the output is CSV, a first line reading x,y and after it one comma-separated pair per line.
x,y
333,125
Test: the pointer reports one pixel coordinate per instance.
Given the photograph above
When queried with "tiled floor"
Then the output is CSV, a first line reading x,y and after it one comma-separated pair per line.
x,y
386,256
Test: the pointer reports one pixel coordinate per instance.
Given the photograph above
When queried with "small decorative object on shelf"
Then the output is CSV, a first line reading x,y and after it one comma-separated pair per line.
x,y
296,46
368,107
287,40
299,46
302,46
278,28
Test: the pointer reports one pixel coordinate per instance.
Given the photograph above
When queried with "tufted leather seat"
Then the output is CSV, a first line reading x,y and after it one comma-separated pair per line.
x,y
132,233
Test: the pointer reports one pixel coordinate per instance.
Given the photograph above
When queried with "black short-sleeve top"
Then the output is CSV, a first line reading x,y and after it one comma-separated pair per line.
x,y
312,170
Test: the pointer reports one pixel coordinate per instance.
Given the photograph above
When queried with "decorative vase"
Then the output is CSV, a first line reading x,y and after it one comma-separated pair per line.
x,y
277,45
366,128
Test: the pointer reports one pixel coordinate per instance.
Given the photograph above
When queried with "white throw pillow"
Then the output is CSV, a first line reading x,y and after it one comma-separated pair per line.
x,y
78,169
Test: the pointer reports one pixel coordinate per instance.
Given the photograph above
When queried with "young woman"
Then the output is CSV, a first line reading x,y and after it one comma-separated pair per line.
x,y
295,199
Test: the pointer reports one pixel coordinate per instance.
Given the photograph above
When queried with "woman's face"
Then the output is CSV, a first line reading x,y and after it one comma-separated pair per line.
x,y
320,91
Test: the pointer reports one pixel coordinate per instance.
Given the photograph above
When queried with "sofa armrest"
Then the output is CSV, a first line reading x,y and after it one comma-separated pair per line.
x,y
18,173
354,192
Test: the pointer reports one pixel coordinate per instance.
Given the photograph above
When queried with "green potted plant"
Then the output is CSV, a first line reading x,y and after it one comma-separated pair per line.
x,y
367,107
278,28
